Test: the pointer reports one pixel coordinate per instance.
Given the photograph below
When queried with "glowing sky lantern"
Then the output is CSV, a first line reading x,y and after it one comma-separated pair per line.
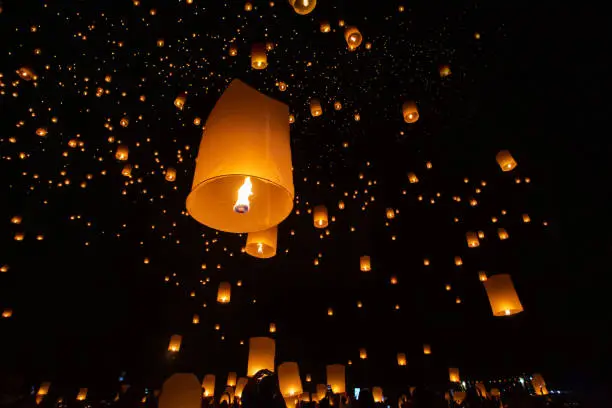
x,y
353,37
365,264
410,112
233,50
377,394
453,375
224,292
289,380
337,105
363,353
262,244
426,349
243,180
336,379
444,71
315,107
259,57
401,359
412,178
261,355
26,74
181,390
505,160
472,239
240,384
208,385
325,27
122,153
44,388
538,384
303,7
502,295
82,395
180,100
175,343
170,174
231,379
320,217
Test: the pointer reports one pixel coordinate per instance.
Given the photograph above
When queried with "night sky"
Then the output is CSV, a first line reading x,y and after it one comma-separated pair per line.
x,y
111,266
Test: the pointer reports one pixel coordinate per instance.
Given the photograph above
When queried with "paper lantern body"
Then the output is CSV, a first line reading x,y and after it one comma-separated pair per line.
x,y
539,385
365,264
426,349
246,134
224,294
261,355
289,380
453,375
458,396
472,239
303,7
181,390
320,217
410,112
44,388
336,378
122,153
259,58
377,393
262,244
231,379
315,107
209,385
353,37
401,359
505,160
170,174
240,384
82,395
175,343
321,391
502,295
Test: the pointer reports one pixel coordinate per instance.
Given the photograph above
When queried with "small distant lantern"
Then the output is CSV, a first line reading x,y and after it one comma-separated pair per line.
x,y
272,328
353,37
16,219
197,121
445,71
170,174
325,27
127,170
26,74
502,295
472,239
303,7
363,354
377,394
453,375
180,100
368,46
122,153
426,262
282,86
336,378
393,280
337,105
410,112
526,218
289,380
320,216
231,379
43,389
7,313
505,160
401,359
233,50
124,122
291,118
341,205
357,117
195,319
502,233
458,261
412,178
308,378
42,132
248,6
262,244
315,107
160,42
482,276
458,397
19,236
539,385
481,234
340,23
224,292
330,311
240,384
390,213
426,349
175,343
208,384
495,392
261,355
82,395
364,264
259,58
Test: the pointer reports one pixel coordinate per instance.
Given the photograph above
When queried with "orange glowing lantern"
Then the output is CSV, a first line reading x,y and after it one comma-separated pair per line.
x,y
160,42
505,160
181,390
224,292
175,343
502,233
42,132
233,50
170,174
259,58
248,6
482,276
390,213
322,390
502,295
303,7
410,112
240,384
539,385
16,219
244,152
526,218
458,261
7,313
325,27
401,359
453,375
127,170
336,379
43,389
445,71
377,394
472,239
122,153
82,395
208,385
353,37
426,349
261,355
262,244
231,379
412,178
320,216
272,328
363,354
315,107
289,380
364,264
195,319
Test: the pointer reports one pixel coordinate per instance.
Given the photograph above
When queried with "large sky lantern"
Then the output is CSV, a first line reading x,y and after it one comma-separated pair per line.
x,y
208,385
472,239
321,391
539,385
231,379
336,378
262,244
175,343
364,264
320,217
261,355
259,56
505,160
315,107
181,390
224,293
377,394
502,295
353,37
410,112
240,384
453,375
303,7
289,380
243,180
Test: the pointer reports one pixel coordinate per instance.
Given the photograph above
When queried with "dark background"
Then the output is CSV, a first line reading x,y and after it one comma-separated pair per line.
x,y
532,84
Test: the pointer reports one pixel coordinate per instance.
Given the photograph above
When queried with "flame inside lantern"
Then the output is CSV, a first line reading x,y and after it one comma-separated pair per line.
x,y
244,192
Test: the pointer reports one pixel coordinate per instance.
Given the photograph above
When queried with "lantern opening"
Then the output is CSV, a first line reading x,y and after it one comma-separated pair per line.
x,y
244,192
259,248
